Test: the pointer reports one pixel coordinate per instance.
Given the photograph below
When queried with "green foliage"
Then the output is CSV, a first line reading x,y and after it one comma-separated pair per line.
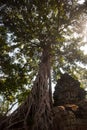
x,y
26,27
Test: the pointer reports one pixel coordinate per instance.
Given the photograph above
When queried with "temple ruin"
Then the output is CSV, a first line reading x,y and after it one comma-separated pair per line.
x,y
70,111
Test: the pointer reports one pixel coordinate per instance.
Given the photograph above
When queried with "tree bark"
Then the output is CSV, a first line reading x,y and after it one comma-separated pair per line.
x,y
36,112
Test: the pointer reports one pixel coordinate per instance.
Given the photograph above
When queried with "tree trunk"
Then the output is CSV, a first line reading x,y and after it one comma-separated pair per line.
x,y
35,112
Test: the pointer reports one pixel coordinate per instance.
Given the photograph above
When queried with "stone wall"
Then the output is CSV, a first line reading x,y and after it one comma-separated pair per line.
x,y
66,118
70,105
68,91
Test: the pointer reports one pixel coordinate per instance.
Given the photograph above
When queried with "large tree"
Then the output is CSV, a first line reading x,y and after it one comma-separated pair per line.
x,y
39,30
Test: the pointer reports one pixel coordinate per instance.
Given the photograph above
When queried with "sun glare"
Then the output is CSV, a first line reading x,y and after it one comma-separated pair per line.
x,y
84,33
81,1
84,48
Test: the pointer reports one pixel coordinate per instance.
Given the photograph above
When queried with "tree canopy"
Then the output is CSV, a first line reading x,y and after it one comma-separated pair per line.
x,y
26,27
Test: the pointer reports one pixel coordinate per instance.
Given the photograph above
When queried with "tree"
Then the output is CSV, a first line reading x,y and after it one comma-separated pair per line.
x,y
40,28
19,11
44,24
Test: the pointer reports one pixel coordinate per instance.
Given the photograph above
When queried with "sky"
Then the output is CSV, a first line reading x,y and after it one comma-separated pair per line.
x,y
84,48
81,1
